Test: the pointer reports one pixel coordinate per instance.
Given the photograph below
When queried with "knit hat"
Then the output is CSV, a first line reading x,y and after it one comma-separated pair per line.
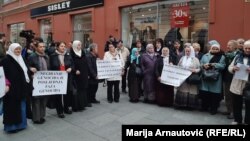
x,y
214,43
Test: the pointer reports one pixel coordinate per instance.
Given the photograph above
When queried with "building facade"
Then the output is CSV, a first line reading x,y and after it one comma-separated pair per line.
x,y
129,20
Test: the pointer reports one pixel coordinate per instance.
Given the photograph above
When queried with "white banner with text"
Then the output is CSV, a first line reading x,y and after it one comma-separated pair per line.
x,y
174,75
108,69
2,82
50,83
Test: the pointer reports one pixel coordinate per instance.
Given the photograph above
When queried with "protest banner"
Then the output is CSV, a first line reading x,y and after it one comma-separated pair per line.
x,y
50,83
108,69
2,82
174,75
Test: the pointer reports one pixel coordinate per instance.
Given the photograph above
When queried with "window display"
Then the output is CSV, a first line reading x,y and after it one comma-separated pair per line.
x,y
82,28
46,31
170,20
15,30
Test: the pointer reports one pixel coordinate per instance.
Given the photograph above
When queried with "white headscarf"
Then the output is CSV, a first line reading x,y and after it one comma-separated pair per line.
x,y
18,59
187,60
74,46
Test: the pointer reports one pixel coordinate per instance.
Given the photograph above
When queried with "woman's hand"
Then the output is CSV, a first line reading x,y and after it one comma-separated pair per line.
x,y
235,68
69,70
159,79
78,72
206,66
34,70
7,88
248,70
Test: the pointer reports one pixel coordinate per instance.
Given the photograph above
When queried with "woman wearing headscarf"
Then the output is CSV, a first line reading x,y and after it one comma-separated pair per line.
x,y
134,80
164,93
80,76
62,61
148,61
211,89
186,95
14,105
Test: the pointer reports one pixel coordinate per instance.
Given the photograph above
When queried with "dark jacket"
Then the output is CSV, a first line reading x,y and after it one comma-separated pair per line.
x,y
68,63
159,65
33,61
81,65
132,67
19,89
91,60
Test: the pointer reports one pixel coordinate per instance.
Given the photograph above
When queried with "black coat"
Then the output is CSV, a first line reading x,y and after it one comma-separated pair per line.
x,y
132,67
159,65
68,63
91,60
81,65
19,89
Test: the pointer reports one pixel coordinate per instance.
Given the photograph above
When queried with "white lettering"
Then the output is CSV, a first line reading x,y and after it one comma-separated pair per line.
x,y
59,6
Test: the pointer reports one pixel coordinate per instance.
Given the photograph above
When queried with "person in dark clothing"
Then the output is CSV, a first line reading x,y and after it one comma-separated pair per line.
x,y
111,40
80,77
2,46
39,61
134,80
176,51
91,57
62,61
172,35
164,93
158,45
18,74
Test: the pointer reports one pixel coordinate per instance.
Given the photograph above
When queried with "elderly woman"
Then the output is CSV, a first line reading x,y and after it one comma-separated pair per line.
x,y
164,93
113,82
237,86
211,89
186,96
14,106
148,62
134,80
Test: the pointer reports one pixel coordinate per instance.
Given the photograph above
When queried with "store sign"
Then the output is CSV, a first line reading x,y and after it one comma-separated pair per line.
x,y
180,15
64,7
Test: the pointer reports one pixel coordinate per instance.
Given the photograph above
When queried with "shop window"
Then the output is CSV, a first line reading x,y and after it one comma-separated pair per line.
x,y
82,28
15,30
7,1
170,20
46,31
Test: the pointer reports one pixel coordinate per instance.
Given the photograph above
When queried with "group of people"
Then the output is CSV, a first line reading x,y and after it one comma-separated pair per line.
x,y
19,102
141,73
205,95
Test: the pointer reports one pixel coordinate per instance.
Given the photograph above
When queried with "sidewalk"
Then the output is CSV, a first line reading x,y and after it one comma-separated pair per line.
x,y
102,122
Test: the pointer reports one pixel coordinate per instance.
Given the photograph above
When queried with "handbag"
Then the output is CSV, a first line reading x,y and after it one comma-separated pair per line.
x,y
138,71
210,74
194,78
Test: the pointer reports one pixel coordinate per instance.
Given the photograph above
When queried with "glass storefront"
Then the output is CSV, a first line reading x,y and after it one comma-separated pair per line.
x,y
82,28
46,31
170,20
15,30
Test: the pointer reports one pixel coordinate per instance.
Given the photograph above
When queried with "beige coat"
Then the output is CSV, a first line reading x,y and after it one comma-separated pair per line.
x,y
237,85
189,88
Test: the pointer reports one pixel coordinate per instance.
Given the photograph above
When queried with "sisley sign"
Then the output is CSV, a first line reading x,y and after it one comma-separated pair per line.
x,y
59,6
64,7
